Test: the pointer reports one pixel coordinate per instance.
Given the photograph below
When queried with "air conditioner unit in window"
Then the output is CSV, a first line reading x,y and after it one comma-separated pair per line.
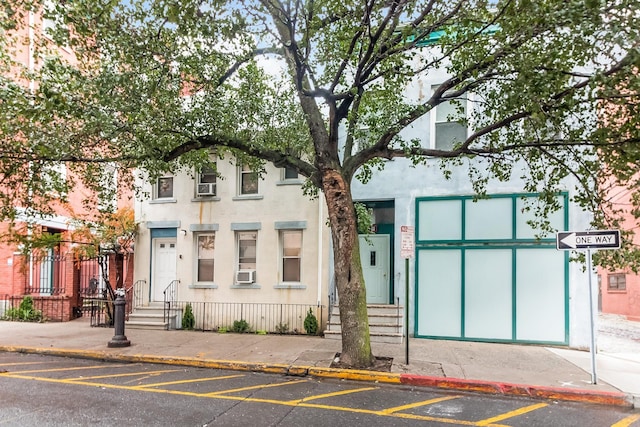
x,y
246,276
207,189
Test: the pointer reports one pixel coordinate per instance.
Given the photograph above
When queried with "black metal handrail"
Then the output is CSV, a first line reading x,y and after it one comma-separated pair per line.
x,y
170,294
134,295
332,302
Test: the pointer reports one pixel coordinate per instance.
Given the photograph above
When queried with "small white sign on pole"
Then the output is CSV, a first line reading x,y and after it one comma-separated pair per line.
x,y
407,245
407,250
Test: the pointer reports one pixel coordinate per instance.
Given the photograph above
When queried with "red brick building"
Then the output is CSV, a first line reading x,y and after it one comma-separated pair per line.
x,y
55,277
620,289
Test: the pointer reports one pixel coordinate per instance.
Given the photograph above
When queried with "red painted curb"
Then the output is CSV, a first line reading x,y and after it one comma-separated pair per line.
x,y
557,393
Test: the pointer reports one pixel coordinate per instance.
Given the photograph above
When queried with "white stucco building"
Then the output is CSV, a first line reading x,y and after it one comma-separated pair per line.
x,y
479,272
238,239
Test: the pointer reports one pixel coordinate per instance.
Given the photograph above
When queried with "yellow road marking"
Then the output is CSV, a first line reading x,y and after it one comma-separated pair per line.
x,y
336,393
415,405
187,381
253,387
23,363
391,415
486,423
76,368
626,422
129,374
512,414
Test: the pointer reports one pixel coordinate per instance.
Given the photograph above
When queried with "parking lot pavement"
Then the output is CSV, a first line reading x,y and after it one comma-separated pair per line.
x,y
46,390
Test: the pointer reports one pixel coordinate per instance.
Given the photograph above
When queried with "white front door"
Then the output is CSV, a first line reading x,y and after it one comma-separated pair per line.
x,y
374,255
164,266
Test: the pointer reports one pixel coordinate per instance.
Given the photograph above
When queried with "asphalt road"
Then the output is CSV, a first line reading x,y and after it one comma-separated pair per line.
x,y
51,391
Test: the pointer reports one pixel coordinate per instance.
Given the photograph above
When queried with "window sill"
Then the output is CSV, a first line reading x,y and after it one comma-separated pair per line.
x,y
247,286
206,199
290,285
290,182
249,197
159,201
616,291
203,286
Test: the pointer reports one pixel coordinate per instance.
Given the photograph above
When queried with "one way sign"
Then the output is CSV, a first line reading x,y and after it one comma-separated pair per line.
x,y
598,239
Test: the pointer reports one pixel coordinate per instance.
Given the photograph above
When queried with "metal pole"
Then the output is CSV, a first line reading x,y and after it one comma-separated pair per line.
x,y
594,379
119,339
406,310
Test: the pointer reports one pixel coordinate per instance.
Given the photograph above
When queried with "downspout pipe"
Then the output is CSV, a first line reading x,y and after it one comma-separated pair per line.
x,y
320,254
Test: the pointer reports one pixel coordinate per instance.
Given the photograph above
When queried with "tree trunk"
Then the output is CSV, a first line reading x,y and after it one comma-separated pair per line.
x,y
356,344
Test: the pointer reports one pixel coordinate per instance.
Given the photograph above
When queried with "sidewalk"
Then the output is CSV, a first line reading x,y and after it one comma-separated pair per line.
x,y
526,370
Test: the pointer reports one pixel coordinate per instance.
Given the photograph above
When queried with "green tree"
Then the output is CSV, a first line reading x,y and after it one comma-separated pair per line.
x,y
320,86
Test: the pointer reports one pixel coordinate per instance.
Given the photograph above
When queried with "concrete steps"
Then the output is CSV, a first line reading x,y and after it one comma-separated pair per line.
x,y
385,323
152,317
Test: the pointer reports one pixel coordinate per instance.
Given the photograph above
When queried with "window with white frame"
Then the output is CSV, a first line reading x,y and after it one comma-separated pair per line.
x,y
246,256
206,182
54,174
49,22
164,188
247,180
108,195
206,243
449,123
289,173
291,252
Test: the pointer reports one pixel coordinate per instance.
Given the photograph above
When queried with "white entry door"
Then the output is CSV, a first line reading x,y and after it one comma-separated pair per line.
x,y
374,255
164,267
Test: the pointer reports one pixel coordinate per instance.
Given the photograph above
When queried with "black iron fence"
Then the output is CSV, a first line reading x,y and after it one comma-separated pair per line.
x,y
46,274
90,276
55,274
252,317
99,311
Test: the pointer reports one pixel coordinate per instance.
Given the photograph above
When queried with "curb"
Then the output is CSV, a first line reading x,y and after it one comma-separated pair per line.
x,y
610,398
455,384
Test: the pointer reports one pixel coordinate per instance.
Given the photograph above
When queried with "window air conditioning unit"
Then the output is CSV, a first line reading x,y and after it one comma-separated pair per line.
x,y
246,276
206,189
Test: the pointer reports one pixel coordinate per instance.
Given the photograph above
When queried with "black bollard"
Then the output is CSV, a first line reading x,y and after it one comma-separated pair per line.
x,y
119,339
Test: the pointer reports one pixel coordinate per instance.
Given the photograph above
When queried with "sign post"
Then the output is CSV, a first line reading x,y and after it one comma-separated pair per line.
x,y
580,240
407,249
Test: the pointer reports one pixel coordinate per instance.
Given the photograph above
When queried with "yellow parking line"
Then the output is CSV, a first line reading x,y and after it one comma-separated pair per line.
x,y
129,374
254,387
23,363
186,381
257,400
103,385
511,414
626,422
395,415
417,404
76,368
336,393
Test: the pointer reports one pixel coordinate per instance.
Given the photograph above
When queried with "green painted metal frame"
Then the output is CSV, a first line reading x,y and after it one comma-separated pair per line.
x,y
513,244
